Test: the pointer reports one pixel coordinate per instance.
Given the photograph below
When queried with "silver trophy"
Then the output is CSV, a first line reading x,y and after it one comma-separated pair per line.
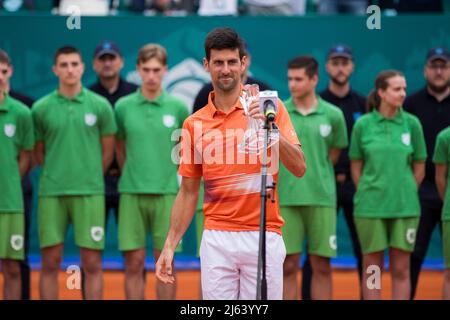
x,y
253,141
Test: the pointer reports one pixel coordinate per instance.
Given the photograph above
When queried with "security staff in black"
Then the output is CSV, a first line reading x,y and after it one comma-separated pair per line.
x,y
339,67
107,64
432,106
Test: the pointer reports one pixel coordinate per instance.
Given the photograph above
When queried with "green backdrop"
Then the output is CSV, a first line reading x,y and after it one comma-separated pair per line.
x,y
401,43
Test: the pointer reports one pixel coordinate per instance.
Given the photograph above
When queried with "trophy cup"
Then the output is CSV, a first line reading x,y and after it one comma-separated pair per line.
x,y
253,141
250,142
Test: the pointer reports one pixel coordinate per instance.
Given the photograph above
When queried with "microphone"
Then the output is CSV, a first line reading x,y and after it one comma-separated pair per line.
x,y
269,110
268,104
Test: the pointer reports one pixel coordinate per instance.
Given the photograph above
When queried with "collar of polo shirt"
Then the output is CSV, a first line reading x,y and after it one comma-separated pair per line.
x,y
159,100
78,98
213,110
4,103
398,117
317,109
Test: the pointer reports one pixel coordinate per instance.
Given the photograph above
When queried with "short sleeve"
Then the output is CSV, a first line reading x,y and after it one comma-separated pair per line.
x,y
26,131
284,124
442,148
418,141
340,138
107,121
183,113
190,158
355,151
119,116
38,126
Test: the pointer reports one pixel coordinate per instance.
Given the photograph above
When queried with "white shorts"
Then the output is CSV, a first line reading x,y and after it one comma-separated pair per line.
x,y
229,262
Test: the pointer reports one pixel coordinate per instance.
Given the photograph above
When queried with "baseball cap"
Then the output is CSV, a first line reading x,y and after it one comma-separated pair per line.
x,y
438,53
106,47
340,50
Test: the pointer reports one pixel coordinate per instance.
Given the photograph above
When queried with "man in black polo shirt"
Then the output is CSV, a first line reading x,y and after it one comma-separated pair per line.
x,y
432,106
108,63
6,66
339,67
201,99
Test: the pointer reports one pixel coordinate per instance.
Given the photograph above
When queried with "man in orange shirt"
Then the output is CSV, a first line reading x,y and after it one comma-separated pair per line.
x,y
209,148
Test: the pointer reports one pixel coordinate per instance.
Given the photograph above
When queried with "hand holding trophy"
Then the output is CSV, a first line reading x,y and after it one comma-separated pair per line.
x,y
249,144
253,141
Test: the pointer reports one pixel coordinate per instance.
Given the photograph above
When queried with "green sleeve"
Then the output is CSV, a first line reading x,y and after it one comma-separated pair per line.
x,y
442,148
39,132
340,139
120,135
355,152
183,114
418,142
26,130
107,121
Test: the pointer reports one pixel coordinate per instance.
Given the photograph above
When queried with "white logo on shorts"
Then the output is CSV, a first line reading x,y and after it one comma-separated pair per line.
x,y
333,242
325,130
10,130
411,235
406,139
90,119
168,120
17,242
97,233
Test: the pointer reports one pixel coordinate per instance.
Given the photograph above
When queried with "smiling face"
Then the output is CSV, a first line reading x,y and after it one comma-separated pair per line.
x,y
395,93
226,68
69,69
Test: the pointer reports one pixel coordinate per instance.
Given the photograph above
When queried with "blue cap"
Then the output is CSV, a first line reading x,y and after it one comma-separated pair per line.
x,y
106,47
340,50
438,53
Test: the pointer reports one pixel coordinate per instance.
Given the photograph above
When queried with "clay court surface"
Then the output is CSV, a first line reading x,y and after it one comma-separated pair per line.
x,y
345,285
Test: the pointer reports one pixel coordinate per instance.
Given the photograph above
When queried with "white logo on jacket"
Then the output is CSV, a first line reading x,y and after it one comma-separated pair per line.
x,y
90,119
406,139
325,130
168,120
10,130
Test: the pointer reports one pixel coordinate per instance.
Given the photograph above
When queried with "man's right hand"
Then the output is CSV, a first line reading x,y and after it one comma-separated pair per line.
x,y
164,267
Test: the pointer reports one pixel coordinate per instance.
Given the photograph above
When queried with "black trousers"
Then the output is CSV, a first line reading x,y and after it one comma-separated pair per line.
x,y
344,192
430,217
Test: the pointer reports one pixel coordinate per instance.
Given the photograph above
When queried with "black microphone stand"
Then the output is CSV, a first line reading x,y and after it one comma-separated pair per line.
x,y
261,281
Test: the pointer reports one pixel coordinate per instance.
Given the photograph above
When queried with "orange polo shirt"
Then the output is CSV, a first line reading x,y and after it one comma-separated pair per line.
x,y
232,179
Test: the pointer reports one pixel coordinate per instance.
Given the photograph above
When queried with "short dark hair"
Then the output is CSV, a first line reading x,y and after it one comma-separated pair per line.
x,y
66,50
4,57
224,38
308,63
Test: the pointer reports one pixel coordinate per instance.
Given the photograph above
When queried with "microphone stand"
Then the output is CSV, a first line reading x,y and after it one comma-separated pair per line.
x,y
261,282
